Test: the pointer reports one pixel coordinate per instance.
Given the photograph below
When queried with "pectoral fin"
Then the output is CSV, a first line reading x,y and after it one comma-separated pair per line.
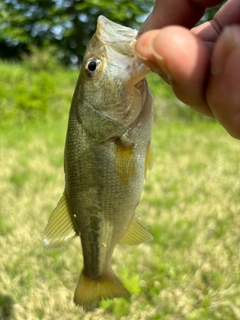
x,y
148,160
136,234
60,229
125,163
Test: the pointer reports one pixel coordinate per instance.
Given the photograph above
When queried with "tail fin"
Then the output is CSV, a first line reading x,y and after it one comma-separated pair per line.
x,y
90,291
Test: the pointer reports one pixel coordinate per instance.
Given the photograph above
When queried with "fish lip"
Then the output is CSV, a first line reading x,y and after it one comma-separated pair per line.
x,y
112,32
140,71
123,40
120,38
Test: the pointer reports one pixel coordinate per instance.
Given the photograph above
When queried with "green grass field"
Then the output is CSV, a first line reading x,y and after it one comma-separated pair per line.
x,y
190,204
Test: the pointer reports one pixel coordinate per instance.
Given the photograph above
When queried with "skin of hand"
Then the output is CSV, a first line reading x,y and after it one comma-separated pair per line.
x,y
201,64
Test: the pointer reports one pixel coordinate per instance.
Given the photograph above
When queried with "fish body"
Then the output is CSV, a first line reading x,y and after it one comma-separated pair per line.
x,y
107,153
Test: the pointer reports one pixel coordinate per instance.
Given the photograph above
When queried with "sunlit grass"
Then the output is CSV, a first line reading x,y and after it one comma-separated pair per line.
x,y
190,204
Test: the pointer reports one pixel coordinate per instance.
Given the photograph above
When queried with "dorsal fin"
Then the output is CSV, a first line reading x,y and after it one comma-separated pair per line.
x,y
60,229
136,234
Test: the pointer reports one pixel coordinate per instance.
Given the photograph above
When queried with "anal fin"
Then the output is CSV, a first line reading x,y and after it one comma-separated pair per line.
x,y
60,229
136,234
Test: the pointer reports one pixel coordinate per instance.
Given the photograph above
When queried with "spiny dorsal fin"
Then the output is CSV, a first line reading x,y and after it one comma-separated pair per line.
x,y
136,234
60,229
148,160
125,164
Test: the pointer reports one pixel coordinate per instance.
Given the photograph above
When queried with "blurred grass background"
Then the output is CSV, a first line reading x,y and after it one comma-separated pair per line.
x,y
190,204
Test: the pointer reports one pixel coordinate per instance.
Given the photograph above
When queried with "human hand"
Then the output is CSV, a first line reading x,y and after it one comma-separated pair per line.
x,y
202,64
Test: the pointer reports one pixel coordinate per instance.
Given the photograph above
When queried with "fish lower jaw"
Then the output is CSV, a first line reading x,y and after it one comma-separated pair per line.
x,y
141,71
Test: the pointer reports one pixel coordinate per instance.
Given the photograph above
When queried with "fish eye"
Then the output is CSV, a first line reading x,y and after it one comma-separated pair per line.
x,y
92,66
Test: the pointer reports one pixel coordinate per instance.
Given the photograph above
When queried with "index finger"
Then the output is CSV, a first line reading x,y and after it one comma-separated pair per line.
x,y
181,12
228,14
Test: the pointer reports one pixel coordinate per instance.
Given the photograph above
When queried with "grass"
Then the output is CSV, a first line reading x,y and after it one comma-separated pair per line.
x,y
190,204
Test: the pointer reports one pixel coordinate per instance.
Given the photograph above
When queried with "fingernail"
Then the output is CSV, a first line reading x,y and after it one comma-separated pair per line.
x,y
225,46
153,66
139,55
162,66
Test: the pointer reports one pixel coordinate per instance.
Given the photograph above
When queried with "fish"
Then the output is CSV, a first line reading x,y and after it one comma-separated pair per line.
x,y
107,154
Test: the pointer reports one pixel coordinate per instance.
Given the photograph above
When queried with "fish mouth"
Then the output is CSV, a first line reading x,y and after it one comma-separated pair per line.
x,y
122,39
114,33
140,71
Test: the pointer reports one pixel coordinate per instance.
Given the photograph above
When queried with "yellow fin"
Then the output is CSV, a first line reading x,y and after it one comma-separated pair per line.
x,y
60,229
125,163
148,160
136,234
90,291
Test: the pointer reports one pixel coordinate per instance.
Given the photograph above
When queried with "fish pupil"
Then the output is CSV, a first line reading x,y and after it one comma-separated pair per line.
x,y
92,65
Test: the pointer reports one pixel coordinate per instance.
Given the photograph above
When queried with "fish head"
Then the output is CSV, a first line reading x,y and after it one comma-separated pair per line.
x,y
112,76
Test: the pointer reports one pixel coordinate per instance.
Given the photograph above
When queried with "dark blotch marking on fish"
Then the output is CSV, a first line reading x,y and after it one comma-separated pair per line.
x,y
94,245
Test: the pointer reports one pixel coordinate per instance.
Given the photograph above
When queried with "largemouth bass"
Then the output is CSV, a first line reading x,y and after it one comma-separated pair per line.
x,y
107,154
